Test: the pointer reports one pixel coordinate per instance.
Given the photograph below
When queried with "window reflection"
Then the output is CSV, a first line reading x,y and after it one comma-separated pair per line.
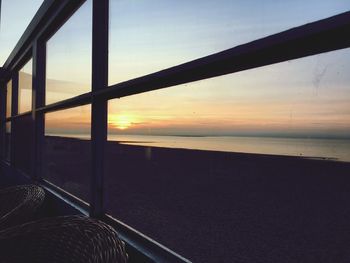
x,y
67,150
25,88
9,99
68,65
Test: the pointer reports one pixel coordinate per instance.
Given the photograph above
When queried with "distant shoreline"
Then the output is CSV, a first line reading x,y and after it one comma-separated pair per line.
x,y
218,135
266,155
242,135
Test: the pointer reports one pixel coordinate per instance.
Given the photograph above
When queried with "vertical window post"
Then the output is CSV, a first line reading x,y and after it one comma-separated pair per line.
x,y
2,117
38,100
14,112
99,106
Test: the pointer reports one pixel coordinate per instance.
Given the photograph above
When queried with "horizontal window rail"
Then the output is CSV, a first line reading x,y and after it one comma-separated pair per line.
x,y
80,100
72,200
18,116
322,36
148,246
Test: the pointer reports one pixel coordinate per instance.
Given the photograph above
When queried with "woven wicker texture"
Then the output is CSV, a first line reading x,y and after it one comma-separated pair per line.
x,y
19,204
62,239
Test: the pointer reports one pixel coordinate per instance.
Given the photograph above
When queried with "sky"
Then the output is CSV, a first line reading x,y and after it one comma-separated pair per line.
x,y
304,97
147,36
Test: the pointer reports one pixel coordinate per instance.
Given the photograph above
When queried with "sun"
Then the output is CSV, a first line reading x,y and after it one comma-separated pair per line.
x,y
120,122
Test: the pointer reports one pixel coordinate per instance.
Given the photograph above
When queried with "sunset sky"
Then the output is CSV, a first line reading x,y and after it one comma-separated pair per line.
x,y
306,97
310,96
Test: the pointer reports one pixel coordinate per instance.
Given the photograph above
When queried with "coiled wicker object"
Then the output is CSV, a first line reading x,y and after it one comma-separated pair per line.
x,y
19,204
62,239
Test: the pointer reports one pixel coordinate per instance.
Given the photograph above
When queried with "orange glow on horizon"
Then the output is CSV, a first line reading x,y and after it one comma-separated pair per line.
x,y
121,122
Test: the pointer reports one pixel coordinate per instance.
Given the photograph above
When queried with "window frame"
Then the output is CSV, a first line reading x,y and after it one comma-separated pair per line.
x,y
321,36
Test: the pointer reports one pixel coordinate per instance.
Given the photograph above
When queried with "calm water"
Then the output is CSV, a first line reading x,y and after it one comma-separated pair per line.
x,y
335,149
317,148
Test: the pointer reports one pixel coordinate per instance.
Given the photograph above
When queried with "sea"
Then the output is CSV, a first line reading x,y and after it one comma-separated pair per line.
x,y
316,148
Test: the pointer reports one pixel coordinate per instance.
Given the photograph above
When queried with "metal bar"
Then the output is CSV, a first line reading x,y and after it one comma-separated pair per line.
x,y
72,200
18,116
146,245
310,39
39,63
80,100
99,106
68,103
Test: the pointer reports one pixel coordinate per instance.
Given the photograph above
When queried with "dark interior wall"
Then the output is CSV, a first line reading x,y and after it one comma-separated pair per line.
x,y
23,134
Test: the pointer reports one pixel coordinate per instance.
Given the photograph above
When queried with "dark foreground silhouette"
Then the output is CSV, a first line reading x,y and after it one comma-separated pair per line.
x,y
217,206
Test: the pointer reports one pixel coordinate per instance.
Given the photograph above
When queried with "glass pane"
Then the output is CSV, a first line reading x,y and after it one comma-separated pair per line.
x,y
22,136
14,21
9,99
214,167
68,65
8,141
148,36
67,153
25,88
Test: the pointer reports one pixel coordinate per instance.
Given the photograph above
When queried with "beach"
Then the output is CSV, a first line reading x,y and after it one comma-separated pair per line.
x,y
212,206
